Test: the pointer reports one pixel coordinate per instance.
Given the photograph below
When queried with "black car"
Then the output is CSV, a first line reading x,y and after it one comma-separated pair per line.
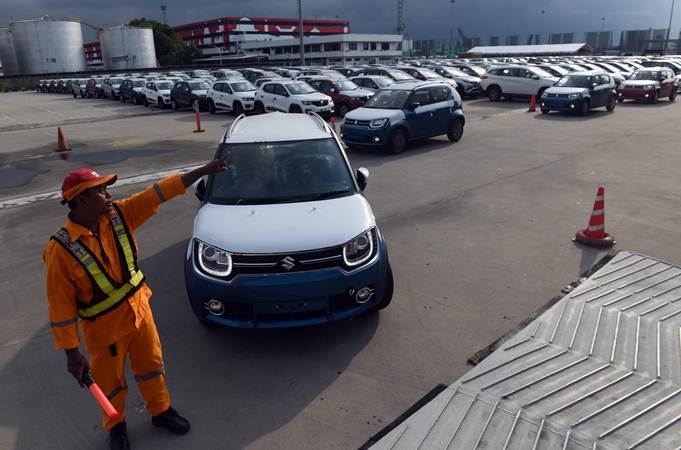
x,y
184,93
94,88
131,90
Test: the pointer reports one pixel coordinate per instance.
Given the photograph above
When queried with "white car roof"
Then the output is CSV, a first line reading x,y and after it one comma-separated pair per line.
x,y
411,85
277,127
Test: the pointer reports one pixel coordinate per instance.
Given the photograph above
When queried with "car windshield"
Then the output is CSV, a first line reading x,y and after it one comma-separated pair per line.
x,y
242,86
581,81
300,88
542,73
164,84
138,83
198,85
399,75
346,85
388,99
383,81
646,75
116,80
454,72
281,172
429,73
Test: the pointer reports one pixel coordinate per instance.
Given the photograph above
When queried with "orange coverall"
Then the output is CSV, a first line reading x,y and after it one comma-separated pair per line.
x,y
128,328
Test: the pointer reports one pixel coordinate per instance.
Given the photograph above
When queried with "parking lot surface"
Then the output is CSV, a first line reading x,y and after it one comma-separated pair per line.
x,y
479,234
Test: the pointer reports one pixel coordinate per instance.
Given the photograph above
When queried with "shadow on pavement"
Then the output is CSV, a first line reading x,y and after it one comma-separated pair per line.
x,y
594,114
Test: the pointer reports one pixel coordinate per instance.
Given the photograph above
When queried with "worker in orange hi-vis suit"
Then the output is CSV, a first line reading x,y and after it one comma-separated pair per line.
x,y
93,274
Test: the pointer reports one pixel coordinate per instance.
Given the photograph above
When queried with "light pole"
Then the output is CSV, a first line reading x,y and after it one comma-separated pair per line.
x,y
301,32
602,23
541,27
163,12
669,29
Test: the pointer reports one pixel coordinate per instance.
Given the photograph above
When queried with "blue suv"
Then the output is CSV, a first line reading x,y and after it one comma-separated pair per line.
x,y
403,112
579,92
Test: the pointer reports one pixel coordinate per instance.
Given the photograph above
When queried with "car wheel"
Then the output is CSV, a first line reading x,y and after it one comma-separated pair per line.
x,y
343,110
173,104
74,95
121,98
655,98
259,108
211,107
389,289
146,102
237,109
494,93
397,141
456,131
610,107
160,103
584,108
672,96
545,110
295,109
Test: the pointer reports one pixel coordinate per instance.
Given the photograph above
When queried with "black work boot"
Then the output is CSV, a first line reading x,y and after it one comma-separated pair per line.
x,y
172,420
118,437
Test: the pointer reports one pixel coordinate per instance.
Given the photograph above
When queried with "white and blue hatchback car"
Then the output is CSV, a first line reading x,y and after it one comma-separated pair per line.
x,y
285,237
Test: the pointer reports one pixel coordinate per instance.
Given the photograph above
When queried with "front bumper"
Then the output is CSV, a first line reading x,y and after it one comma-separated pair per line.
x,y
363,135
286,300
325,111
471,90
561,104
635,94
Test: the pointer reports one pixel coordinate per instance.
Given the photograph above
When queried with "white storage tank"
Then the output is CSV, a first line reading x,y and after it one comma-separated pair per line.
x,y
48,46
8,57
125,47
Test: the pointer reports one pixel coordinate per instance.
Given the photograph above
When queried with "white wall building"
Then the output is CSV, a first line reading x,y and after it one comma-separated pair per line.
x,y
332,49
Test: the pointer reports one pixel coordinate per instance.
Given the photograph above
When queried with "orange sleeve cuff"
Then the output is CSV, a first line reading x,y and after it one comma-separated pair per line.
x,y
65,337
169,187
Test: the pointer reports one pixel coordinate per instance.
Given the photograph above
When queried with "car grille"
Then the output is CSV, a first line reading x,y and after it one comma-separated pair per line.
x,y
361,123
320,102
256,264
558,95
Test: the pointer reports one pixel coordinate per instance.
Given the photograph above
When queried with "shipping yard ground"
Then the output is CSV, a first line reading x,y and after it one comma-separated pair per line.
x,y
479,234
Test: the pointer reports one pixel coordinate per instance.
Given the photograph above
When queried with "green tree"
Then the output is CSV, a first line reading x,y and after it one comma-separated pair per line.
x,y
170,49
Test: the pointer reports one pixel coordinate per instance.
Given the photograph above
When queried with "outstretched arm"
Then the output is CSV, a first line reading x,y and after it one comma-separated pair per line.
x,y
213,167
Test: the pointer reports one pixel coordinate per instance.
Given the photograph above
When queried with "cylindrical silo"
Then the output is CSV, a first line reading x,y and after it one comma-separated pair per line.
x,y
48,46
7,54
126,47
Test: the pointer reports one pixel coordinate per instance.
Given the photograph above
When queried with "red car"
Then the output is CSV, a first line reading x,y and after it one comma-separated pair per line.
x,y
346,95
649,84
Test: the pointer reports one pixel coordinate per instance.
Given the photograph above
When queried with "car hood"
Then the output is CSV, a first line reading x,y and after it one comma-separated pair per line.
x,y
357,93
203,92
633,83
285,227
247,94
137,89
164,91
374,113
566,90
312,96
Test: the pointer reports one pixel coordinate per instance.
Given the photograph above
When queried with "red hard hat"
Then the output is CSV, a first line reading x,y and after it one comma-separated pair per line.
x,y
81,180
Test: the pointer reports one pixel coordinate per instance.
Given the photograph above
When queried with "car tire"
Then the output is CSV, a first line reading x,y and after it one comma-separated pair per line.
x,y
672,96
295,109
343,110
74,95
173,104
610,107
237,109
584,108
146,102
121,98
545,110
655,98
455,132
211,107
160,103
397,141
259,108
389,290
494,93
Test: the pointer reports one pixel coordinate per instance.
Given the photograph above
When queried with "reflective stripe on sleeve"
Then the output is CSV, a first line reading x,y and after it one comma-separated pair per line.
x,y
161,197
151,375
64,323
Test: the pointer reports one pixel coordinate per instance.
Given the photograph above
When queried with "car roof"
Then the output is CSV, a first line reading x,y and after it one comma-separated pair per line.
x,y
589,72
277,127
411,85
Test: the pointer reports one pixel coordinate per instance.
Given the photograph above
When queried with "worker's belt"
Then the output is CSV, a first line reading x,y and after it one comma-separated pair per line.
x,y
107,293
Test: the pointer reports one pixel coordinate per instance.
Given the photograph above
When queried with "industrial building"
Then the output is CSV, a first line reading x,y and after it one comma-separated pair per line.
x,y
530,50
333,49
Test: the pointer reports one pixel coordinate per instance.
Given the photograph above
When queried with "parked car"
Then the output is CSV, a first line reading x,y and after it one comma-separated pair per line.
x,y
580,92
60,88
555,70
236,95
226,74
253,74
259,81
111,86
93,88
131,90
372,82
329,263
510,81
294,97
286,73
157,93
649,84
185,93
52,86
41,86
345,94
467,85
394,74
403,112
79,88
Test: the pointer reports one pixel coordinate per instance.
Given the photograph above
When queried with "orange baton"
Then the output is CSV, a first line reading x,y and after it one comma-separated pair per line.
x,y
97,393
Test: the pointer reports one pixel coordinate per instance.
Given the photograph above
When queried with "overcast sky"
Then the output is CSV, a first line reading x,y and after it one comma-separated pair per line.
x,y
424,18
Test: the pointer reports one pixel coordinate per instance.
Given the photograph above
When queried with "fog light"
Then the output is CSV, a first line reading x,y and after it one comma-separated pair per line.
x,y
341,134
376,139
363,295
620,94
572,106
215,307
543,104
646,95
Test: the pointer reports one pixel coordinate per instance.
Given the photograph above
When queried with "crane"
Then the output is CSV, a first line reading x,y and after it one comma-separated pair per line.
x,y
401,27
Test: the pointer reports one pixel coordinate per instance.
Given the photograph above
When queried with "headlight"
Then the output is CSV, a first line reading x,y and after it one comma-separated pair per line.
x,y
214,261
648,87
307,102
574,95
378,123
544,94
359,250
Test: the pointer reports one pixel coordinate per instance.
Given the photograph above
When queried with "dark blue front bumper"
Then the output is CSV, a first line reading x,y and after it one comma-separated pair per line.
x,y
287,299
363,135
561,103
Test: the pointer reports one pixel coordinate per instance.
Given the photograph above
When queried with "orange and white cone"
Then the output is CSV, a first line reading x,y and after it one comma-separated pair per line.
x,y
62,144
533,104
595,234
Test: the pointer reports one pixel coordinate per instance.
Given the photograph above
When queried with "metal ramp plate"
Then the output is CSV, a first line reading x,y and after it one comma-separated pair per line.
x,y
601,369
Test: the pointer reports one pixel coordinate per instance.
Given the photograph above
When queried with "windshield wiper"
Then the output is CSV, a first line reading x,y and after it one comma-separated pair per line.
x,y
329,194
266,200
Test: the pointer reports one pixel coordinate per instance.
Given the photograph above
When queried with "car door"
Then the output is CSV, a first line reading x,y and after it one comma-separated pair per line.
x,y
419,114
268,97
226,95
280,98
442,105
599,93
667,83
525,82
186,95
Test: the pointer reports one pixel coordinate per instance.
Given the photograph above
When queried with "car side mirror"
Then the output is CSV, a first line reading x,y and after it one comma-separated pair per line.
x,y
413,106
362,178
200,189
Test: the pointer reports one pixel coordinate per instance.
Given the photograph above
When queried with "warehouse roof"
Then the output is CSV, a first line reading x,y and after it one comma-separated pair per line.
x,y
518,50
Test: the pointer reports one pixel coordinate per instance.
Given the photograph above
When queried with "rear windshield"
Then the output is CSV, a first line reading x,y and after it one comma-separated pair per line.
x,y
300,88
139,83
198,85
242,86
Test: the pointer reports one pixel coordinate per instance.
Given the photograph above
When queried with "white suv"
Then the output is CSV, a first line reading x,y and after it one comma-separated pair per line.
x,y
236,95
510,81
157,93
293,97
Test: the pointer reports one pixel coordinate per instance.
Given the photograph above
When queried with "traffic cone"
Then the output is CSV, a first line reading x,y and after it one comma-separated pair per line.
x,y
62,144
533,104
595,235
